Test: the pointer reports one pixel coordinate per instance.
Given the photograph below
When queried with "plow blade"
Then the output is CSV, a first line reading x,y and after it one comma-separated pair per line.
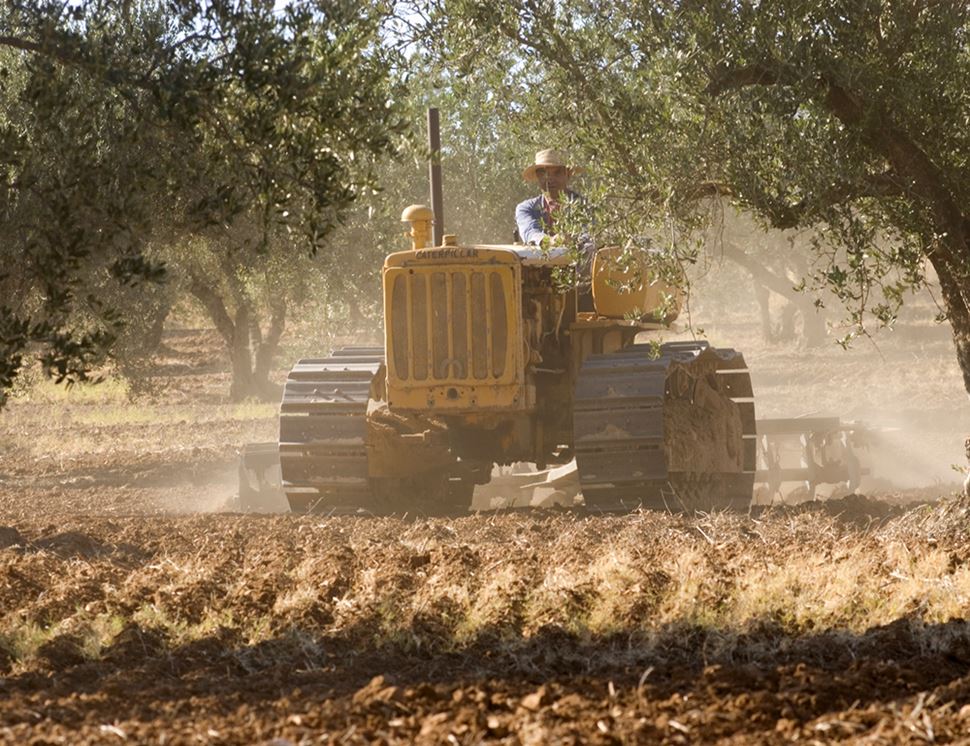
x,y
797,459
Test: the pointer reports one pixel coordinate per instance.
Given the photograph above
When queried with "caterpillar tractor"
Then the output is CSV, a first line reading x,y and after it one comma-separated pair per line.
x,y
485,362
488,361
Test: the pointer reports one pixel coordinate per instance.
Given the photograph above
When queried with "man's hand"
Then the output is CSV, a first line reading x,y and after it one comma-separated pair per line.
x,y
548,243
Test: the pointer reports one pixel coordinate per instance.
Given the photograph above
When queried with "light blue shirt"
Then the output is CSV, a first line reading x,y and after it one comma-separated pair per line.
x,y
532,220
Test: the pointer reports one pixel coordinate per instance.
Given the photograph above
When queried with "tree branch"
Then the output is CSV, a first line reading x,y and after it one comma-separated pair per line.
x,y
22,44
780,285
725,78
910,162
885,184
266,351
912,170
114,76
214,306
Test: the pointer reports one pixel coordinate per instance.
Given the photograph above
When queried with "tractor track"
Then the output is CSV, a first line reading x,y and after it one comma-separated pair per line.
x,y
323,429
623,428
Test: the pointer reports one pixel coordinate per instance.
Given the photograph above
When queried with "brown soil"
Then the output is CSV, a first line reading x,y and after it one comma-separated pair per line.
x,y
130,612
220,646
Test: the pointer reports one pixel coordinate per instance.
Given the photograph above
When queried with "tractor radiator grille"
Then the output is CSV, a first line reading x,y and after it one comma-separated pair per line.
x,y
449,325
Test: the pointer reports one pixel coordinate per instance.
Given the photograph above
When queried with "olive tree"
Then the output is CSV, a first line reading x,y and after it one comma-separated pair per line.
x,y
129,125
848,118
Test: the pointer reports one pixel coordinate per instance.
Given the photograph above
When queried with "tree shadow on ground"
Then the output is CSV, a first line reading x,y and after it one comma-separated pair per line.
x,y
762,670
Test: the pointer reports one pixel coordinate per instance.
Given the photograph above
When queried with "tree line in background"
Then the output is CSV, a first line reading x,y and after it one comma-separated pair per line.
x,y
256,158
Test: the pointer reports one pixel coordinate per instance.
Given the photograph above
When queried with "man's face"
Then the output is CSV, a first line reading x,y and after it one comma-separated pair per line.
x,y
552,179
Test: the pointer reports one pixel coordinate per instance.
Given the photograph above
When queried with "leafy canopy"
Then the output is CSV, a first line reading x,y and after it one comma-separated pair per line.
x,y
845,118
128,124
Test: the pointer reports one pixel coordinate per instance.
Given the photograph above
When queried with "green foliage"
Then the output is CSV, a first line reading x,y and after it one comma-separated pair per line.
x,y
482,162
135,125
568,82
845,118
227,141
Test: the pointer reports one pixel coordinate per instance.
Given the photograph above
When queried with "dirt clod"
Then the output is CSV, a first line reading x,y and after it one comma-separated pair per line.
x,y
71,544
536,700
62,652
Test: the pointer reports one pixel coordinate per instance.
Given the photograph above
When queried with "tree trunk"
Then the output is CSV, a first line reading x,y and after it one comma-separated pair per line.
x,y
241,352
814,331
266,351
958,311
214,306
763,296
952,284
356,316
153,335
250,360
786,332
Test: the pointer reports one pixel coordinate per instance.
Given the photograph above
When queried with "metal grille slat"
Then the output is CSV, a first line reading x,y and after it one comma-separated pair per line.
x,y
401,342
489,324
449,321
460,323
419,327
479,327
500,329
429,325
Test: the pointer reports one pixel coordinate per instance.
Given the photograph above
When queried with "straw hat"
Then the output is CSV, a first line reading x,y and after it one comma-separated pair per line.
x,y
548,159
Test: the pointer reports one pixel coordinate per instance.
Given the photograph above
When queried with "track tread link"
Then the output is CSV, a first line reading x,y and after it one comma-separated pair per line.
x,y
323,429
619,436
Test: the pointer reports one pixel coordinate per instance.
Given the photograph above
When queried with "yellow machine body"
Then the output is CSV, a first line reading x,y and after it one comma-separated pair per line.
x,y
459,340
486,360
454,332
480,337
631,292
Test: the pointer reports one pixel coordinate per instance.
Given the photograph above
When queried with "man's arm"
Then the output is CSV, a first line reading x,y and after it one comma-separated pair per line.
x,y
528,218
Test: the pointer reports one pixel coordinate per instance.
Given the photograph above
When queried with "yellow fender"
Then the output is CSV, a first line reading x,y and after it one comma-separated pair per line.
x,y
643,301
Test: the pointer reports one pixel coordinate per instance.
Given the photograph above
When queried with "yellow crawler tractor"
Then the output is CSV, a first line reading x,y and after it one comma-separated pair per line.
x,y
486,361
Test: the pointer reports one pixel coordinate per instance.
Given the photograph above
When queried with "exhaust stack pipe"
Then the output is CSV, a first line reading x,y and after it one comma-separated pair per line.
x,y
434,172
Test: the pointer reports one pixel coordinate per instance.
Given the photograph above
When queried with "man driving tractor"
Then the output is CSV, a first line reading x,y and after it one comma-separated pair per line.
x,y
535,218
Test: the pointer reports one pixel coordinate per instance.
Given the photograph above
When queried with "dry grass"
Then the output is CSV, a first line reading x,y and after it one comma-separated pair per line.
x,y
100,425
517,627
428,586
76,429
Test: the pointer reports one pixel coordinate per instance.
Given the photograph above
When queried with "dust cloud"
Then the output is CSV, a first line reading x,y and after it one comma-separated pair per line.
x,y
902,384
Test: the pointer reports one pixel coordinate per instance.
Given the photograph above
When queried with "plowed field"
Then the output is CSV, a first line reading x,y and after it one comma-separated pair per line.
x,y
238,629
134,608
